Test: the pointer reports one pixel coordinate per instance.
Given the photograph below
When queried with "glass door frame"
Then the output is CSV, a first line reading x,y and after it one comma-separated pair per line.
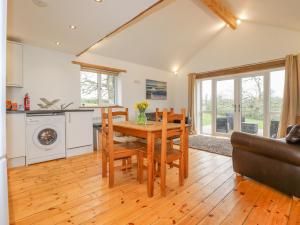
x,y
215,109
266,98
237,101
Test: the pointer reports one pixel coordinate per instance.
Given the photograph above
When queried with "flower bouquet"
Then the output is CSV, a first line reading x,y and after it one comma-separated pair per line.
x,y
141,107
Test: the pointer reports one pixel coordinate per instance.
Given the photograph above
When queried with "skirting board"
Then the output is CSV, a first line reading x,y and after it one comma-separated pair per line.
x,y
16,162
79,151
30,161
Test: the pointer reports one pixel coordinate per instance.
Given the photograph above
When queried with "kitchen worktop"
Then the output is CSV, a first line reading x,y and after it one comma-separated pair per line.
x,y
51,111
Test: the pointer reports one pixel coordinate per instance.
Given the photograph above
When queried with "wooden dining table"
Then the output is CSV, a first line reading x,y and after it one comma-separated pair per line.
x,y
151,131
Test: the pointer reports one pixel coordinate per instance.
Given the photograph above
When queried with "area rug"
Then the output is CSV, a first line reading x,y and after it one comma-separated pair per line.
x,y
218,145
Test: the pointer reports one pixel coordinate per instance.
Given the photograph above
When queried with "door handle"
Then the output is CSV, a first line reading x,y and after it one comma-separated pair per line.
x,y
234,107
239,108
69,117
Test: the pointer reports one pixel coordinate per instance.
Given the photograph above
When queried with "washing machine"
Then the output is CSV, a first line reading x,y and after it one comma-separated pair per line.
x,y
45,137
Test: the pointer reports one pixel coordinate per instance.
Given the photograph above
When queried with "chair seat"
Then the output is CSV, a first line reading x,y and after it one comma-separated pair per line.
x,y
124,150
172,155
124,139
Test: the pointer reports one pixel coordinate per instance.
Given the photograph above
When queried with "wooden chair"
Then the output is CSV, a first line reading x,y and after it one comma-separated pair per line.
x,y
158,114
166,154
126,163
170,155
114,151
158,117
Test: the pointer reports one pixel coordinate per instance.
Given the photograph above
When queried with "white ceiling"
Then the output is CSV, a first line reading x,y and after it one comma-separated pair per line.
x,y
282,13
165,39
44,26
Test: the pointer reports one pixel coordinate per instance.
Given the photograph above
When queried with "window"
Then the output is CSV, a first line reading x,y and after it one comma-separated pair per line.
x,y
249,102
97,89
206,107
277,79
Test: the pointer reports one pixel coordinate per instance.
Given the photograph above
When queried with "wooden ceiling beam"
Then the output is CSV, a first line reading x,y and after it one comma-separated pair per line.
x,y
221,11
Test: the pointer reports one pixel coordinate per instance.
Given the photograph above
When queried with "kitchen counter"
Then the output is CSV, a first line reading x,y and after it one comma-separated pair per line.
x,y
50,111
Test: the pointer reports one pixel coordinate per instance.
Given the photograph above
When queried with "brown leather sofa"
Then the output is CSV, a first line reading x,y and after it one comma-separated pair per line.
x,y
271,162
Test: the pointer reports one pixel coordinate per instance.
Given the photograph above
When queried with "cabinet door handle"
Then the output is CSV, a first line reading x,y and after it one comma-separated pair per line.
x,y
69,117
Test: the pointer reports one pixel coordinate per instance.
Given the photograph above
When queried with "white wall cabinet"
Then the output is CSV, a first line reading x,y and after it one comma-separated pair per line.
x,y
79,132
14,64
15,139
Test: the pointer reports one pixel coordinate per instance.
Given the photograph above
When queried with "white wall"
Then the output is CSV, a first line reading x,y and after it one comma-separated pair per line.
x,y
134,81
48,74
51,74
250,43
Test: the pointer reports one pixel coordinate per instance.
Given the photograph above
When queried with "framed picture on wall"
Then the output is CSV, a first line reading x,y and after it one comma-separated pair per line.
x,y
156,90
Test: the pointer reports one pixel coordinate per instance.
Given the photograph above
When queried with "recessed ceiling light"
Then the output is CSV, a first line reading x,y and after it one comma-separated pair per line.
x,y
72,27
175,70
57,43
98,1
238,21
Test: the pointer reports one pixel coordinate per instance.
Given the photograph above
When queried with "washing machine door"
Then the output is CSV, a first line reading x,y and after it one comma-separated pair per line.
x,y
46,137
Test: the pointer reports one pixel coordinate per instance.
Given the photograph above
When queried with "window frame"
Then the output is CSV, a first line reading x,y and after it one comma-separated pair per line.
x,y
237,79
100,102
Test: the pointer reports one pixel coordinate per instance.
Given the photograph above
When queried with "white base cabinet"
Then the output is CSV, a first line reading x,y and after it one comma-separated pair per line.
x,y
79,132
15,139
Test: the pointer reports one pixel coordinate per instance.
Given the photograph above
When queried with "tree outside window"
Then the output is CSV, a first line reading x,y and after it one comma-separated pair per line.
x,y
97,89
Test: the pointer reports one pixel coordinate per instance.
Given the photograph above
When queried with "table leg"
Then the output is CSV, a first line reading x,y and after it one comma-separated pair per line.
x,y
186,153
150,152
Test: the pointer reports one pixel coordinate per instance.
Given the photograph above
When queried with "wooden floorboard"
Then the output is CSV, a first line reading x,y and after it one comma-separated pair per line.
x,y
72,191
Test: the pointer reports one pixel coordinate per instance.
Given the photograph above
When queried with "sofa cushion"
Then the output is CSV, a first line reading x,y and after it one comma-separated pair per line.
x,y
293,136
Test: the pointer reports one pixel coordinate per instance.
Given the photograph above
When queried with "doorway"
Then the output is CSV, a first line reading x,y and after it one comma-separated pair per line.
x,y
250,103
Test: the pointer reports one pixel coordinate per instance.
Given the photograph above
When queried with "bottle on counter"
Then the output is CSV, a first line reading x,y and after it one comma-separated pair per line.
x,y
26,102
14,106
8,105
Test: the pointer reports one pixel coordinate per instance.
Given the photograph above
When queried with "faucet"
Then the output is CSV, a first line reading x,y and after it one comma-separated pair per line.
x,y
64,106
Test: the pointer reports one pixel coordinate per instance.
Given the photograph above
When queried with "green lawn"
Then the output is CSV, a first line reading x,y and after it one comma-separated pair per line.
x,y
206,119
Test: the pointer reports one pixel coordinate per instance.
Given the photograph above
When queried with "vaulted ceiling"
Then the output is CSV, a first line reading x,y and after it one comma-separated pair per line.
x,y
165,38
281,13
45,25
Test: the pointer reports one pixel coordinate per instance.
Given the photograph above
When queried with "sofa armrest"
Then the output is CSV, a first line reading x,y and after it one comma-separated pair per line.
x,y
276,149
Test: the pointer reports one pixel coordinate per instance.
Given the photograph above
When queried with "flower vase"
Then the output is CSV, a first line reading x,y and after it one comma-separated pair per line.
x,y
141,118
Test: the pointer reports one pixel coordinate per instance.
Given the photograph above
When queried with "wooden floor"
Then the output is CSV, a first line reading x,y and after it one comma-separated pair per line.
x,y
72,191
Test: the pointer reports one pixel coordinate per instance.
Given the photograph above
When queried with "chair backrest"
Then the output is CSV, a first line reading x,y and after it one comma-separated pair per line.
x,y
159,114
107,130
107,125
170,117
121,114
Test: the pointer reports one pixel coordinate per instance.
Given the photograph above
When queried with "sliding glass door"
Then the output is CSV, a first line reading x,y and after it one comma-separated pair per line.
x,y
251,106
276,87
206,107
249,103
225,106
